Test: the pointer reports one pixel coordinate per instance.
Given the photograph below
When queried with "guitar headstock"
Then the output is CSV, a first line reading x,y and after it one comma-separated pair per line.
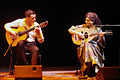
x,y
43,24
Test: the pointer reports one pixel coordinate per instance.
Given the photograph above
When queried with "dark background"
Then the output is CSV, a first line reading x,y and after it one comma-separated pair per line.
x,y
58,48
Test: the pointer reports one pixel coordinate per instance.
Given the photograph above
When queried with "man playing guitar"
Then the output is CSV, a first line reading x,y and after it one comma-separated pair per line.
x,y
28,43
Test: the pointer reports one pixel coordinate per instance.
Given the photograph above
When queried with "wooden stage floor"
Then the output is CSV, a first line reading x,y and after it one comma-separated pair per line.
x,y
53,73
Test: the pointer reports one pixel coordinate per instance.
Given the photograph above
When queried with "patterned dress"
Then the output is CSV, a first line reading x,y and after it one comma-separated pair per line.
x,y
92,51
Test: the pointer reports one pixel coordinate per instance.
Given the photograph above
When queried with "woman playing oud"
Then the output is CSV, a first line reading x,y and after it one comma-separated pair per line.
x,y
91,53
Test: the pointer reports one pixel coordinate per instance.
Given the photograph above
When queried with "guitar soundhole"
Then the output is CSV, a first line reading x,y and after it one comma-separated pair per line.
x,y
82,32
86,35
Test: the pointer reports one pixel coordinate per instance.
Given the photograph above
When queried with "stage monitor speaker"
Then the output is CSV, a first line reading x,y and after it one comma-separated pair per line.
x,y
28,72
108,73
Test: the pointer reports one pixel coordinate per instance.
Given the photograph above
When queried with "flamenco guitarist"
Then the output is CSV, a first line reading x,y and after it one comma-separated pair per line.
x,y
29,43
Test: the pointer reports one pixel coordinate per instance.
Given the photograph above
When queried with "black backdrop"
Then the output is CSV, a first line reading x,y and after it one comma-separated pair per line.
x,y
58,49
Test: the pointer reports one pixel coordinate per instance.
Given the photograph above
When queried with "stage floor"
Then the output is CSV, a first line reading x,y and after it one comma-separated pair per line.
x,y
52,73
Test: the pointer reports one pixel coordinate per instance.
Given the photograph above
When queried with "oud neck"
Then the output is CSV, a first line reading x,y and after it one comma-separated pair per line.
x,y
92,34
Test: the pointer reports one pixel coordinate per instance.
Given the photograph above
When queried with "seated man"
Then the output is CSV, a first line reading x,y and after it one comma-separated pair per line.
x,y
29,43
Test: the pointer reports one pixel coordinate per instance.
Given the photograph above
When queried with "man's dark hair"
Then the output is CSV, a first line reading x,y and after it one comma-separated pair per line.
x,y
29,12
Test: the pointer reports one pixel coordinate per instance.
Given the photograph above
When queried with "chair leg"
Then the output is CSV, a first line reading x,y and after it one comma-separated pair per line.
x,y
28,57
40,60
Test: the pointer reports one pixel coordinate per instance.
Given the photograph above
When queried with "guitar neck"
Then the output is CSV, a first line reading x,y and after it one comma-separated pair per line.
x,y
28,30
43,24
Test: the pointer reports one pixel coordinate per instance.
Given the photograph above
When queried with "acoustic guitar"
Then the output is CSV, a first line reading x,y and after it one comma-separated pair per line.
x,y
86,32
21,33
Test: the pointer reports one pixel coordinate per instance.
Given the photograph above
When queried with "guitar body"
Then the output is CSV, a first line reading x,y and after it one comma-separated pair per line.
x,y
10,37
13,40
